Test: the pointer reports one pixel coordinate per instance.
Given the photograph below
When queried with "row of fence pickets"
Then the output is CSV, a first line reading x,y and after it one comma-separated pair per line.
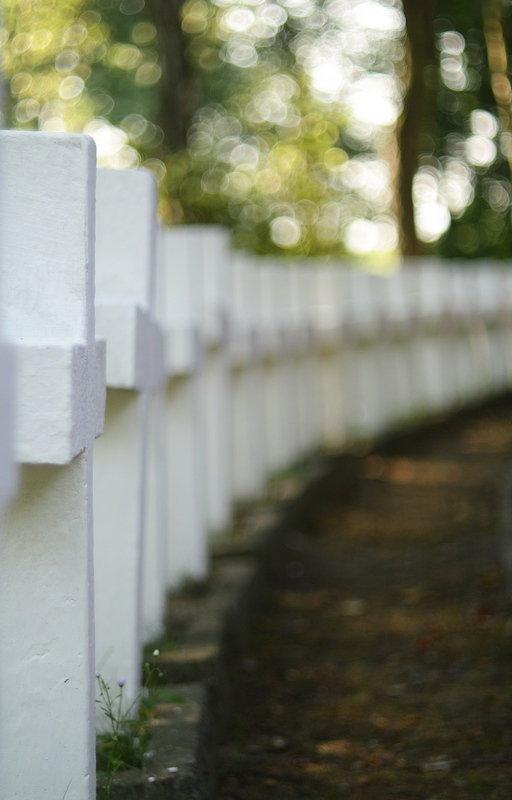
x,y
205,371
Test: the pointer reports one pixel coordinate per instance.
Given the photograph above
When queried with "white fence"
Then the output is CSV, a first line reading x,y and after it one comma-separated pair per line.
x,y
220,369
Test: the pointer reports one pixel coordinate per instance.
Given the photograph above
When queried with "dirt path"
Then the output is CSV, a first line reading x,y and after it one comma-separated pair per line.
x,y
382,663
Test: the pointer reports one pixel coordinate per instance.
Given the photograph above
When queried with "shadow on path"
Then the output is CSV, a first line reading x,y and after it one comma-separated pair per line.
x,y
381,663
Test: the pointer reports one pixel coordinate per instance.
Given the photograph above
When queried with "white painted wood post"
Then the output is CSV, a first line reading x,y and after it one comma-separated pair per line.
x,y
443,324
289,366
483,308
248,418
502,340
505,312
307,371
393,349
46,572
179,313
7,378
429,369
214,275
272,344
381,337
198,257
331,346
125,292
352,382
450,300
505,317
425,325
7,422
290,359
154,560
7,419
464,327
366,407
327,336
279,390
437,303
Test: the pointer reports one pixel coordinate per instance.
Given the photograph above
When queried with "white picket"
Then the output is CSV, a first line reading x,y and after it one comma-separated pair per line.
x,y
248,419
186,481
214,291
125,296
7,421
330,317
46,587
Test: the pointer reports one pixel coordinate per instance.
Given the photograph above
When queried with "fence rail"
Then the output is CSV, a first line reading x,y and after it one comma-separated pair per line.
x,y
220,369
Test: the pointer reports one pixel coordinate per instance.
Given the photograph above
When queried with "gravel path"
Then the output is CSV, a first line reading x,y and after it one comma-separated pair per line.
x,y
381,661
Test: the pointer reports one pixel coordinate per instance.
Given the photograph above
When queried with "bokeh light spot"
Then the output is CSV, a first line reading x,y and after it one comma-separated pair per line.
x,y
285,231
480,151
71,87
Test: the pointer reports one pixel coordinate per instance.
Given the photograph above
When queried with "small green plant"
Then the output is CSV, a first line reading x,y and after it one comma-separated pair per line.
x,y
124,744
170,696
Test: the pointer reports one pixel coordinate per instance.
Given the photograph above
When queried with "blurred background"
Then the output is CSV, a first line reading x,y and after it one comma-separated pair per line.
x,y
368,128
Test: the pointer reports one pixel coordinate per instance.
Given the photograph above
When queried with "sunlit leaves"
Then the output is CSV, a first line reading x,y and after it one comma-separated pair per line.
x,y
294,143
143,33
462,189
299,85
331,85
80,65
47,52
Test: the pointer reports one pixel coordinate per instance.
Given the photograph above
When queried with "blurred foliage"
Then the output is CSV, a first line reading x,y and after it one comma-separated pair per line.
x,y
48,51
300,109
265,152
84,66
462,186
293,143
283,172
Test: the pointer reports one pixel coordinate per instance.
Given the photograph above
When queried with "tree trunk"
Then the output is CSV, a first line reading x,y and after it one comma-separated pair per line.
x,y
498,65
179,92
420,52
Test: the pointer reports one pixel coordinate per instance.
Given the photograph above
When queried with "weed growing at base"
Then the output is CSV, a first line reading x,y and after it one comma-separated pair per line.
x,y
124,745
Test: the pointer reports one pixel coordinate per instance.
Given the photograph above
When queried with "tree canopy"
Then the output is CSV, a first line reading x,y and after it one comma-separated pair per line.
x,y
309,126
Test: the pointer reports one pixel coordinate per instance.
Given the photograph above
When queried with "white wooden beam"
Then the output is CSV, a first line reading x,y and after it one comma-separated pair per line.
x,y
46,587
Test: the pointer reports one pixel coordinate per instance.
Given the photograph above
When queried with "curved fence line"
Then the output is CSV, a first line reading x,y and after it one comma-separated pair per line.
x,y
221,369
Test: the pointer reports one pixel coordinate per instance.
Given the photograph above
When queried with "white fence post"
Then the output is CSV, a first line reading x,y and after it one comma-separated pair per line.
x,y
248,418
125,291
437,301
503,338
398,347
215,274
504,315
179,313
46,590
364,329
484,304
154,559
331,349
428,332
7,419
277,383
7,422
464,350
307,356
